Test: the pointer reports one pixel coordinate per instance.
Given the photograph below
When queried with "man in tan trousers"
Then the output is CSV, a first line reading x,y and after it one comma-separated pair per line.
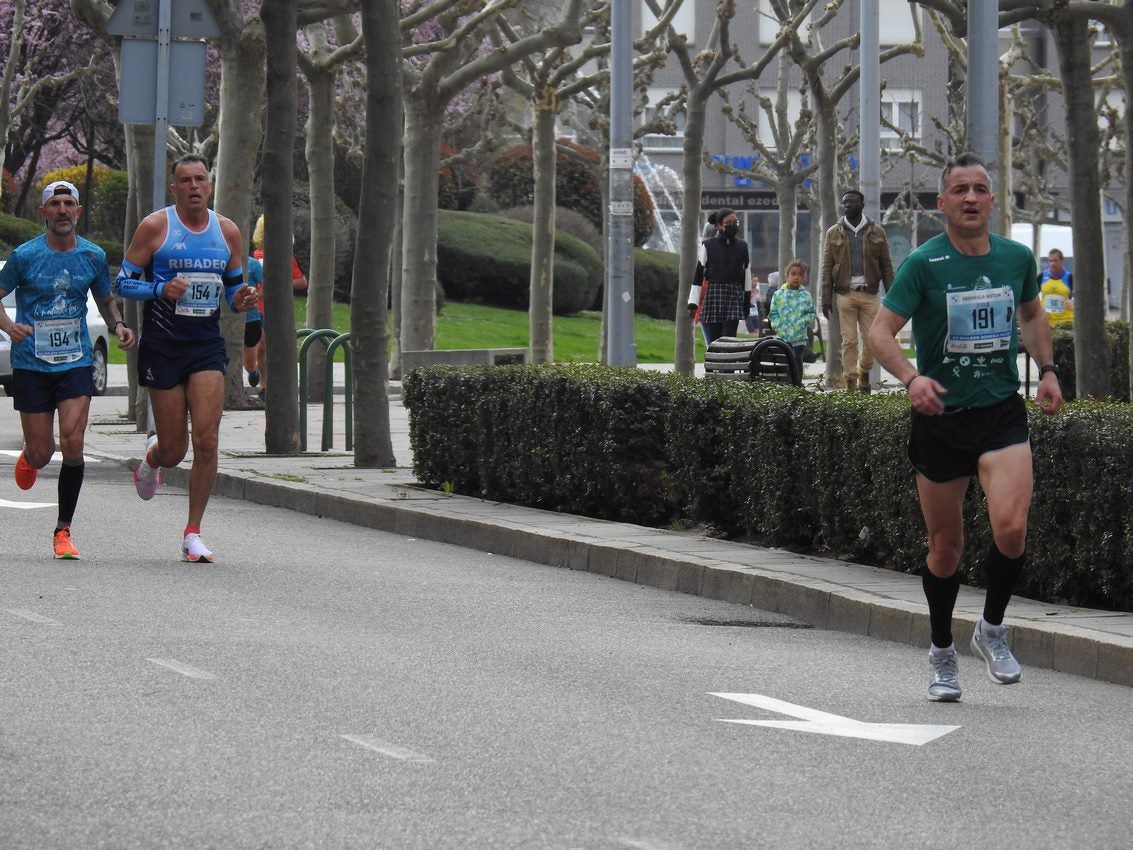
x,y
855,262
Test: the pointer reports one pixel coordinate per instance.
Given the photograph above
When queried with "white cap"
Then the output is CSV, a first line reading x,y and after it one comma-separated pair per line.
x,y
59,187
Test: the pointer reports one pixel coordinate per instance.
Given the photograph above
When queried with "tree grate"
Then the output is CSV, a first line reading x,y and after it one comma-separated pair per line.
x,y
267,455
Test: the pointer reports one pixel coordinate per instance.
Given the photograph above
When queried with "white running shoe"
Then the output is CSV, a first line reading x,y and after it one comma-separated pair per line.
x,y
989,643
146,478
192,549
945,683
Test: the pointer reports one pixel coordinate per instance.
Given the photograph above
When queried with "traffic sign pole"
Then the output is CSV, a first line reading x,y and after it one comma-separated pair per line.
x,y
161,103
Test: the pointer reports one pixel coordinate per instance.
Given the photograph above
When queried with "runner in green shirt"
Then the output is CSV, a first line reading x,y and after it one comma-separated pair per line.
x,y
964,291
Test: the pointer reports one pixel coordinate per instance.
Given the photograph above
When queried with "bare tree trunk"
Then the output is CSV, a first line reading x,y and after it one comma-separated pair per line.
x,y
139,170
826,151
320,167
395,275
1071,37
377,213
684,353
8,73
280,23
419,244
788,221
543,231
241,95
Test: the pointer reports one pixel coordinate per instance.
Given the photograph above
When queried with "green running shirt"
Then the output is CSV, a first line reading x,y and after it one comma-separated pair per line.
x,y
963,312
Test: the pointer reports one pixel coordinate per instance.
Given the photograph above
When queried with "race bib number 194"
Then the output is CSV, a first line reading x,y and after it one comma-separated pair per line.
x,y
980,320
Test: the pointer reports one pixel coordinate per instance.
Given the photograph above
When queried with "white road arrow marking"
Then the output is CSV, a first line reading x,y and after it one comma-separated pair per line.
x,y
822,723
25,506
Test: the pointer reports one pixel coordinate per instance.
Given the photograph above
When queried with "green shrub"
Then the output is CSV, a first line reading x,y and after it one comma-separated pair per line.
x,y
656,280
566,221
1117,348
108,201
767,463
511,182
14,231
487,259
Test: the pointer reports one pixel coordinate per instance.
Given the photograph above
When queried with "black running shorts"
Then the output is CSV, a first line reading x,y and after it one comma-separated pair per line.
x,y
946,447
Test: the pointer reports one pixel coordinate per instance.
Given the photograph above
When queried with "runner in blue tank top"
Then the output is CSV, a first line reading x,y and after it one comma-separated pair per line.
x,y
180,262
51,348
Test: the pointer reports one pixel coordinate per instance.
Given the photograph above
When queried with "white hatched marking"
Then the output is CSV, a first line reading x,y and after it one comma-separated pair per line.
x,y
25,506
55,458
182,668
32,616
387,749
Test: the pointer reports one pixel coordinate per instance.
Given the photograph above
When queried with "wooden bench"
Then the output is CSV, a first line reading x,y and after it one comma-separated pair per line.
x,y
463,357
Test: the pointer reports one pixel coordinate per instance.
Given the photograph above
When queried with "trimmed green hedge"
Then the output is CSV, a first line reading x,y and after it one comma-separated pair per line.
x,y
655,278
487,259
780,466
14,231
1117,346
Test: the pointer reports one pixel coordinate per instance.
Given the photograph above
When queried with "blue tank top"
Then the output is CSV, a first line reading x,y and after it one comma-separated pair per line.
x,y
51,296
199,257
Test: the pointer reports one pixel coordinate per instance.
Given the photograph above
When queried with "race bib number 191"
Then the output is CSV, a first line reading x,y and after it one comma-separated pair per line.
x,y
202,298
980,320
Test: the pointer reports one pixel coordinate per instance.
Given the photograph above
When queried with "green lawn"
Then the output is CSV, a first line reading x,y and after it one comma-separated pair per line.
x,y
477,326
576,337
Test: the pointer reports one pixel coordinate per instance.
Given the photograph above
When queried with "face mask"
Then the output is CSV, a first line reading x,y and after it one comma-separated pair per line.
x,y
730,230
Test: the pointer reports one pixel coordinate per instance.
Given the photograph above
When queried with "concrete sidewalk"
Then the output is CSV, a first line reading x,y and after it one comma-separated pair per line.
x,y
824,592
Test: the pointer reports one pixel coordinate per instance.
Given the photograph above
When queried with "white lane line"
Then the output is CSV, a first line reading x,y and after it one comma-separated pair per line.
x,y
182,668
25,506
387,749
55,458
32,616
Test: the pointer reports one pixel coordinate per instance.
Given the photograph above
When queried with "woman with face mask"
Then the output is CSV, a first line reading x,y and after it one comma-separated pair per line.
x,y
724,266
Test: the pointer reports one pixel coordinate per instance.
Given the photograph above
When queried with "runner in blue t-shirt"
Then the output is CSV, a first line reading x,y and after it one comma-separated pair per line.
x,y
180,262
965,290
51,348
255,361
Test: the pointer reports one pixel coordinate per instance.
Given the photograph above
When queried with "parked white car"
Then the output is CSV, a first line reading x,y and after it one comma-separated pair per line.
x,y
99,340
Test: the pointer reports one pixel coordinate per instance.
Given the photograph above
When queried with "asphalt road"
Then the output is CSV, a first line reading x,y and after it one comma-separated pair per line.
x,y
325,685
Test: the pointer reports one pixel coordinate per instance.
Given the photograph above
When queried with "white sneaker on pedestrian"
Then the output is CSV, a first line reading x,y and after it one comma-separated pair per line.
x,y
192,549
990,643
945,683
146,478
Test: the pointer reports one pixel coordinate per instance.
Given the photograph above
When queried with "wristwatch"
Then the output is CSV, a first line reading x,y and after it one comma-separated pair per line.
x,y
1049,367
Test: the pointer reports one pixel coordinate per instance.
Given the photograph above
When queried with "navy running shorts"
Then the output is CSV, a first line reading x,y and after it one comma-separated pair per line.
x,y
946,447
40,392
165,364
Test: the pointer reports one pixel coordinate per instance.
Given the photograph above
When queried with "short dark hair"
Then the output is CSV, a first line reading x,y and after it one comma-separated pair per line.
x,y
964,160
854,192
722,214
1053,251
187,158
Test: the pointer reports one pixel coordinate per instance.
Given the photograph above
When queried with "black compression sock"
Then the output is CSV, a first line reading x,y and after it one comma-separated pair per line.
x,y
941,595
